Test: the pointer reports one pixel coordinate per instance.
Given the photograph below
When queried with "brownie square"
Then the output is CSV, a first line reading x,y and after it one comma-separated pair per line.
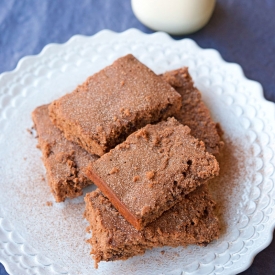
x,y
194,112
151,171
191,221
65,161
113,103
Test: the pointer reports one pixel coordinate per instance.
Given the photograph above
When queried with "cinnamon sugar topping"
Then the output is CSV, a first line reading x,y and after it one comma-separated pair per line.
x,y
114,170
118,91
136,178
150,175
178,165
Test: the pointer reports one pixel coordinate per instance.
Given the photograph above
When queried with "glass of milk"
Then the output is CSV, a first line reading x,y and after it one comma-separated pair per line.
x,y
176,17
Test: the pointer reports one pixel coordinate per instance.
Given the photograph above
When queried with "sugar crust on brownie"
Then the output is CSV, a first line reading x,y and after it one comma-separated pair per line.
x,y
113,103
151,171
191,221
194,112
64,161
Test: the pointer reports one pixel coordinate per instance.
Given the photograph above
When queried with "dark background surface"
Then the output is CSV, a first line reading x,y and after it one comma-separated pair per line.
x,y
243,31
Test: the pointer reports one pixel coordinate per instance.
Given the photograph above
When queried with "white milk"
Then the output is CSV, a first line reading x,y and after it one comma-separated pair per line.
x,y
174,16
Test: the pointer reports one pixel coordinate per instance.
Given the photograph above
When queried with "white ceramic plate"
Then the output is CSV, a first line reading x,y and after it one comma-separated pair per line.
x,y
40,239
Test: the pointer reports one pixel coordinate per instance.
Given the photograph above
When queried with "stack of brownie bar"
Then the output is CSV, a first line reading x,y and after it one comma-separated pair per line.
x,y
148,142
